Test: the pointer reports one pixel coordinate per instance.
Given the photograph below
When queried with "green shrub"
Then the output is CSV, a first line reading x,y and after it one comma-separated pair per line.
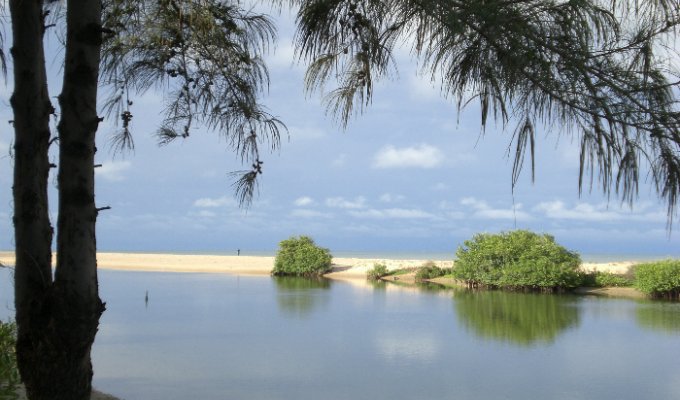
x,y
429,270
300,256
378,271
659,279
9,374
604,279
517,260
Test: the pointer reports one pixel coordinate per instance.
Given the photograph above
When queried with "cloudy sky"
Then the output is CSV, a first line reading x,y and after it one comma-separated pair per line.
x,y
410,175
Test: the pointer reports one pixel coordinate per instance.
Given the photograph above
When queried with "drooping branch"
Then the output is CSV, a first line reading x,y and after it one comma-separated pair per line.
x,y
206,58
595,69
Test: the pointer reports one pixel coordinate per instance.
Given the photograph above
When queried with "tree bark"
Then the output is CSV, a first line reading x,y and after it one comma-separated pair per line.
x,y
57,317
33,231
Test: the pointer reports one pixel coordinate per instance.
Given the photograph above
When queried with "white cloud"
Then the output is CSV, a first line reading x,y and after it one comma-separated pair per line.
x,y
423,88
303,201
484,211
421,156
392,213
586,212
391,198
297,132
340,160
214,203
309,214
440,186
414,347
203,214
341,202
113,170
283,56
599,213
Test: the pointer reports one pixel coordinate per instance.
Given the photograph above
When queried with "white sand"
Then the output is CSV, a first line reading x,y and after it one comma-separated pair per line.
x,y
260,265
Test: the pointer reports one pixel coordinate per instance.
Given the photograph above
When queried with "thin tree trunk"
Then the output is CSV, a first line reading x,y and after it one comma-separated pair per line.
x,y
33,231
57,318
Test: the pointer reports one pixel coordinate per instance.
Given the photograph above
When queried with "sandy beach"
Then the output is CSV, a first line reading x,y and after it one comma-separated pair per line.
x,y
261,265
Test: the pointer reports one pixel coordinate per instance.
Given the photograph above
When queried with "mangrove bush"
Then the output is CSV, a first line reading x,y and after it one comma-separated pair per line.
x,y
660,279
517,260
300,256
9,373
604,279
430,270
378,271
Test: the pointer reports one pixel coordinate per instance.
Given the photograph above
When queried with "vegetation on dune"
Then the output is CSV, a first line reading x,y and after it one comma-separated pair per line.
x,y
378,271
660,279
605,279
430,270
300,256
517,260
9,373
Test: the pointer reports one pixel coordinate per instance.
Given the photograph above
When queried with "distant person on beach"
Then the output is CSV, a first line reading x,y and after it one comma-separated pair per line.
x,y
238,252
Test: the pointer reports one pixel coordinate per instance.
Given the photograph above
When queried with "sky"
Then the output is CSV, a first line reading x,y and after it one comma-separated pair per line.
x,y
411,174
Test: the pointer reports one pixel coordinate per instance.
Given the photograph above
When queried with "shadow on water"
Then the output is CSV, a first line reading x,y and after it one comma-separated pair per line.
x,y
659,316
300,297
516,318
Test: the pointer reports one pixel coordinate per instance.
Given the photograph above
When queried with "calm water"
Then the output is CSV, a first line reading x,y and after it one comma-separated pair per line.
x,y
226,337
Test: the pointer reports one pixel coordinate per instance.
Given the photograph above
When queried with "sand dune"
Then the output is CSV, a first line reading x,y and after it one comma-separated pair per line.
x,y
262,265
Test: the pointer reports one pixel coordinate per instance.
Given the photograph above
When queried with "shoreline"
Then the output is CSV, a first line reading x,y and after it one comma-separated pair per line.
x,y
262,265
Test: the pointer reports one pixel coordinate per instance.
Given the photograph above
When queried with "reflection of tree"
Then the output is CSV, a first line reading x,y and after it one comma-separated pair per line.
x,y
658,316
299,296
517,318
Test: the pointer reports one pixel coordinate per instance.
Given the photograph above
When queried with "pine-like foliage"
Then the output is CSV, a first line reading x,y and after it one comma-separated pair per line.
x,y
205,58
602,72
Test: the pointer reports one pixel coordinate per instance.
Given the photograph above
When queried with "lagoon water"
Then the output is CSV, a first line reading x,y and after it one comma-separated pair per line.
x,y
204,336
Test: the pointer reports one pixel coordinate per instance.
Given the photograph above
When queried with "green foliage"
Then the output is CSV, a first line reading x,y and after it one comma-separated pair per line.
x,y
300,256
429,271
9,374
207,57
517,260
659,279
604,279
378,271
585,65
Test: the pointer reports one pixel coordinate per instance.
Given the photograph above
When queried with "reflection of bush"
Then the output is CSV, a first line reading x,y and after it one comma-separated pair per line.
x,y
515,317
659,317
300,296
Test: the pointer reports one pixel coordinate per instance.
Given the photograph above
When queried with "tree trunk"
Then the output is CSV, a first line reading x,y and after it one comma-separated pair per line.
x,y
57,318
33,231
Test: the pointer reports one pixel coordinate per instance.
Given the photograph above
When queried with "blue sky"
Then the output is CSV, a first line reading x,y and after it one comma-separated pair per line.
x,y
409,175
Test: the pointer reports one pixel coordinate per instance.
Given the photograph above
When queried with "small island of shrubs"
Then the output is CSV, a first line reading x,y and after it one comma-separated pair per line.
x,y
300,256
517,260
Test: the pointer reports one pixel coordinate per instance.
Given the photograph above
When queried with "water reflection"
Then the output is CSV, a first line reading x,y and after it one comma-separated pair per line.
x,y
300,297
517,318
660,317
